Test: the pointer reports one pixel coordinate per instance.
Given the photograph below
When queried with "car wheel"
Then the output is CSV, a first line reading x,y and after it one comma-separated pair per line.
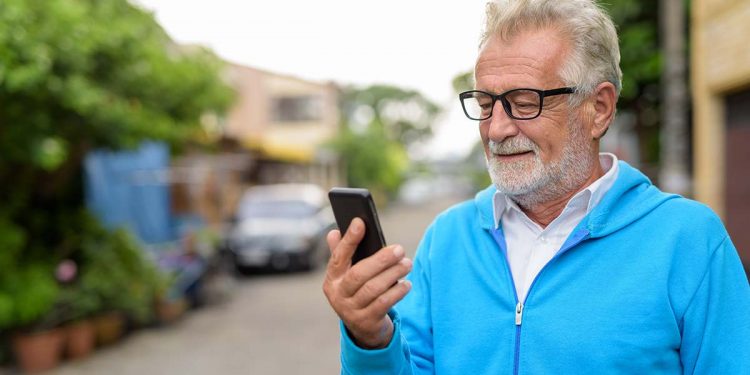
x,y
280,262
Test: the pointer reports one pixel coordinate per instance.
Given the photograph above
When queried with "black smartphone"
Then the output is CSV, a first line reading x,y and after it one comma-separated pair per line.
x,y
348,203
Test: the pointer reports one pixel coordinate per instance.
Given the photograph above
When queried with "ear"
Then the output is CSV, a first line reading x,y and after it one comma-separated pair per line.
x,y
605,102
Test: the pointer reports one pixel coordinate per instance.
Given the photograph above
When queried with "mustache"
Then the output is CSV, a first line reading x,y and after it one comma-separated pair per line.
x,y
511,146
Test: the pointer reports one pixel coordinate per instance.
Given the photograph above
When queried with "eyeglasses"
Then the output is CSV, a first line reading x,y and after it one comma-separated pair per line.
x,y
519,104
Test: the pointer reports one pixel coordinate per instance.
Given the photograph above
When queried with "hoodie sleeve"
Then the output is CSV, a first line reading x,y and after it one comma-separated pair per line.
x,y
410,351
716,331
391,360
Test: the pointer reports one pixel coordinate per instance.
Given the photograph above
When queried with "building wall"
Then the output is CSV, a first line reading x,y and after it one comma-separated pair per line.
x,y
255,122
720,66
285,122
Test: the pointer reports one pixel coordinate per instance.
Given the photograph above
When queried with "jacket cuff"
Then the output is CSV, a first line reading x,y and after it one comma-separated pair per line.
x,y
389,360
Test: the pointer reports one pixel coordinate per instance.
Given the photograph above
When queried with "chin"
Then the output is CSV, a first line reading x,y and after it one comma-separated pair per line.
x,y
516,178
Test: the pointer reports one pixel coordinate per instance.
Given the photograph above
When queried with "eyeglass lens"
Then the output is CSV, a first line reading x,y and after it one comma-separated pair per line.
x,y
522,104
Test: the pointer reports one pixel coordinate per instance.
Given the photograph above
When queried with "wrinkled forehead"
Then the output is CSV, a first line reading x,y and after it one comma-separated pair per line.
x,y
537,53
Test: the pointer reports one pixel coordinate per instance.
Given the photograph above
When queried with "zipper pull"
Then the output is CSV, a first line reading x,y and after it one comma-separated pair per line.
x,y
519,313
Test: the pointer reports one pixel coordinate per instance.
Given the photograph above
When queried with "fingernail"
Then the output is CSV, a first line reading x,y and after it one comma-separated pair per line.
x,y
398,251
356,227
406,262
407,284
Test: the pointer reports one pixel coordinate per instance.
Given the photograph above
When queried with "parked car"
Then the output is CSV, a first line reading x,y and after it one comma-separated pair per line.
x,y
281,227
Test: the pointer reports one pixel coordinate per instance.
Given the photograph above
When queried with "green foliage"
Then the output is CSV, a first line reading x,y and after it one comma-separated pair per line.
x,y
119,276
113,274
101,70
379,124
26,291
372,160
405,115
26,295
463,82
641,60
77,75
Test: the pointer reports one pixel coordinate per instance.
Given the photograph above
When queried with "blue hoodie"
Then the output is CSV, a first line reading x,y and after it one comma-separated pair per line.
x,y
647,283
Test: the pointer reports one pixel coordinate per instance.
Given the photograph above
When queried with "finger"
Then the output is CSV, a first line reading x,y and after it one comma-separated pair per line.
x,y
371,266
341,254
382,282
333,238
384,302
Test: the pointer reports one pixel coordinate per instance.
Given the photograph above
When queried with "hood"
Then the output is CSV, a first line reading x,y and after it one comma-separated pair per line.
x,y
274,227
631,197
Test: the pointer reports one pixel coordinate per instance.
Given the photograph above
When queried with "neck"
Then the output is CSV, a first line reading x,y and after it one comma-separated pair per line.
x,y
543,208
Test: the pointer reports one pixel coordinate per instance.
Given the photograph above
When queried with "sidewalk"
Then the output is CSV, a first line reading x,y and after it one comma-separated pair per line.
x,y
274,324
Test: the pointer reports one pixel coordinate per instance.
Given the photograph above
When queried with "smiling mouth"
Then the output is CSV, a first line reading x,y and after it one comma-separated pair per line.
x,y
515,153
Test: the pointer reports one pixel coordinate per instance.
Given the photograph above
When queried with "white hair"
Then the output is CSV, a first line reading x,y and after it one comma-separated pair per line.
x,y
595,54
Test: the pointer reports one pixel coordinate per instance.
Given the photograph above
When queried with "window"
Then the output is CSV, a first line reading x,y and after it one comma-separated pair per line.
x,y
297,108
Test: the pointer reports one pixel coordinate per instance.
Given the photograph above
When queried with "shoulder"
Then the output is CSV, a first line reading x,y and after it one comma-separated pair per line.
x,y
691,214
454,223
463,213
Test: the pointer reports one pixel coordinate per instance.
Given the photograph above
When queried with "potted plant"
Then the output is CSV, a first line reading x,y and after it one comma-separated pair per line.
x,y
31,308
104,276
76,304
36,338
124,280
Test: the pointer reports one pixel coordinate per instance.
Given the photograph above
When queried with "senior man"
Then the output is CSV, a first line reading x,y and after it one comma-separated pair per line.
x,y
572,262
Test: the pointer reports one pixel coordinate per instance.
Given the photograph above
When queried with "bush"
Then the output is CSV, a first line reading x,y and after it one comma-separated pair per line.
x,y
121,277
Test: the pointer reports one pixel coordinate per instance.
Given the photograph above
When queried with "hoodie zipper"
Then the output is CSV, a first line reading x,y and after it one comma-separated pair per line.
x,y
578,237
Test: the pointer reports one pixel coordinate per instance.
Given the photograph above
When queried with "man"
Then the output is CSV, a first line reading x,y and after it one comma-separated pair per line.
x,y
572,262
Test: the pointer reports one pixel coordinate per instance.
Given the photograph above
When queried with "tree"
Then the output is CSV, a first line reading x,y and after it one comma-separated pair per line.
x,y
674,174
77,75
379,124
642,65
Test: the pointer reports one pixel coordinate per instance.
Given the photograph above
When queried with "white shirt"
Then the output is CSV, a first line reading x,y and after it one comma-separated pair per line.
x,y
529,245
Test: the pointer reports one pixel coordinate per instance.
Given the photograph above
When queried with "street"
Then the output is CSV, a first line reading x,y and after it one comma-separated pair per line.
x,y
272,324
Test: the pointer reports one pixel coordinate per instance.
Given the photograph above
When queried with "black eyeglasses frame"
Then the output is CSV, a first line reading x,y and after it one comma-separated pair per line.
x,y
506,105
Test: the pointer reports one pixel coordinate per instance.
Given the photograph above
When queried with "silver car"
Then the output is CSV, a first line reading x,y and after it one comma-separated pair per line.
x,y
281,227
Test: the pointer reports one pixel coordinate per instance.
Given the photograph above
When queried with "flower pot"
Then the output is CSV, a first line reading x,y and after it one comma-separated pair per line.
x,y
108,328
81,338
38,351
168,311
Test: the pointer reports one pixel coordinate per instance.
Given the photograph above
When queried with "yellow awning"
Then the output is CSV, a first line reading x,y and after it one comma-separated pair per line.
x,y
280,152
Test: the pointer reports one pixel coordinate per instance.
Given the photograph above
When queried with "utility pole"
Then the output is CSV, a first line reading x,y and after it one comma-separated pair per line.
x,y
673,174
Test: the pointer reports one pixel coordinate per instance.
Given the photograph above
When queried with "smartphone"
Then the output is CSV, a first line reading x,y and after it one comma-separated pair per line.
x,y
348,203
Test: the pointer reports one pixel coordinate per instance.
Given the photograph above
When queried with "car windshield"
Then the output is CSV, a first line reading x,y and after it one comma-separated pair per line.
x,y
276,209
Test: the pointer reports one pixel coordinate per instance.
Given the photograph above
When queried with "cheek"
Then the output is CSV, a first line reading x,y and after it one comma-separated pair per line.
x,y
485,140
551,142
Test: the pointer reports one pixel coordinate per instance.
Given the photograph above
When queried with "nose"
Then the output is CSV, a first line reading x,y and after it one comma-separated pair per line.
x,y
500,125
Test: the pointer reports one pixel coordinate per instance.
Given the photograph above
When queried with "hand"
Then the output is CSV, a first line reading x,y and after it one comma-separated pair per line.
x,y
362,294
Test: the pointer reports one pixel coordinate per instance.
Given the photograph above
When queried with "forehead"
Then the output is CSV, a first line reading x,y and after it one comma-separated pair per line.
x,y
530,58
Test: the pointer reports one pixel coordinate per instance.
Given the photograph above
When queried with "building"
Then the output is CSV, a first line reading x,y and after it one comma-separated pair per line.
x,y
286,123
721,98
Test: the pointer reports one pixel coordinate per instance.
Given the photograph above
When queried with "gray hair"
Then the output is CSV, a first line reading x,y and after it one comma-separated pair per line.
x,y
595,54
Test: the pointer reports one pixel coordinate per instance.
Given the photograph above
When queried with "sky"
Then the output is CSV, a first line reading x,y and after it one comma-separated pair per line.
x,y
414,44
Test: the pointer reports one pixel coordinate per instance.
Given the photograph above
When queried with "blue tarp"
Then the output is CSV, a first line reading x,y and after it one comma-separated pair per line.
x,y
131,189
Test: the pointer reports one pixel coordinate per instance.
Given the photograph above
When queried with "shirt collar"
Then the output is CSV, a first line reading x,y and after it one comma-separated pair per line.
x,y
591,195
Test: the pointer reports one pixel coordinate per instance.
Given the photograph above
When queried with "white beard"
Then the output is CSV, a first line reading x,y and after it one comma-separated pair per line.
x,y
530,181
